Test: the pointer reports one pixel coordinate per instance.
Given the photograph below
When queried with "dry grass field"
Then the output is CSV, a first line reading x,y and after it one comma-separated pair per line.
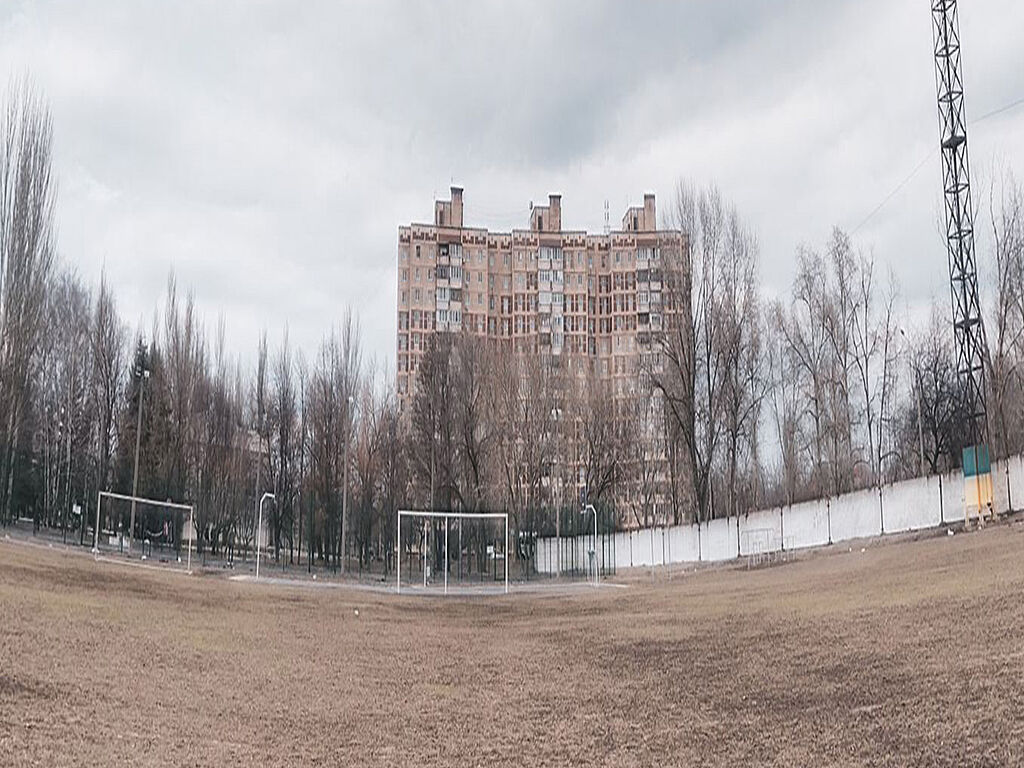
x,y
909,653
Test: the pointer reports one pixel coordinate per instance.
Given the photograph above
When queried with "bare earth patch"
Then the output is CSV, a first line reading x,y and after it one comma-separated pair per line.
x,y
909,653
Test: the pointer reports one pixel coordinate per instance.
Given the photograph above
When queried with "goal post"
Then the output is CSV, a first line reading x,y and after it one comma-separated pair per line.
x,y
141,500
447,518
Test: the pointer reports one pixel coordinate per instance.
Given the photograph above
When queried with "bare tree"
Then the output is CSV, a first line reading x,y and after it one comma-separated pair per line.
x,y
691,375
526,403
475,425
284,419
27,199
803,328
944,415
109,350
784,394
739,336
1006,351
642,451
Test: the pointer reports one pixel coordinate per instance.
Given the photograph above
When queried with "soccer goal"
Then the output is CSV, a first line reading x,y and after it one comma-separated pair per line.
x,y
162,524
470,548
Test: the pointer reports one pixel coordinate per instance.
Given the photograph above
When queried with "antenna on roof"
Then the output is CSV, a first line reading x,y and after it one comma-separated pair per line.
x,y
531,205
607,218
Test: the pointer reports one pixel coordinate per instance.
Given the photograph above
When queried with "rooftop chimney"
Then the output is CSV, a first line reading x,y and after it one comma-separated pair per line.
x,y
456,207
650,217
555,213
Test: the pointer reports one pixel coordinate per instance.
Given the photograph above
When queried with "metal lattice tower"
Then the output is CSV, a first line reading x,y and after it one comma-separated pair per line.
x,y
956,185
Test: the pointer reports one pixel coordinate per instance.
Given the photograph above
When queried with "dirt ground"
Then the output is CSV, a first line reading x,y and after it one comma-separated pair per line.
x,y
908,653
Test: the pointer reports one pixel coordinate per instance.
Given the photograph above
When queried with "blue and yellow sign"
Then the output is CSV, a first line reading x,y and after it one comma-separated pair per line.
x,y
977,480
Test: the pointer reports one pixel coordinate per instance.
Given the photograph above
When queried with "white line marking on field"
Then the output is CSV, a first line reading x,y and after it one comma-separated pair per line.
x,y
162,569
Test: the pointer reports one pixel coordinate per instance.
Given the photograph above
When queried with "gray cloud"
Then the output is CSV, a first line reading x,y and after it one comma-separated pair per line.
x,y
268,152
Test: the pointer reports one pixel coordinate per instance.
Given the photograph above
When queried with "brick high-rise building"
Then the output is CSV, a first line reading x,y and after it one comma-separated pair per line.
x,y
543,289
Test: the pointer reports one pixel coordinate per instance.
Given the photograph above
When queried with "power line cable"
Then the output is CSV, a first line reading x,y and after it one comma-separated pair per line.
x,y
925,159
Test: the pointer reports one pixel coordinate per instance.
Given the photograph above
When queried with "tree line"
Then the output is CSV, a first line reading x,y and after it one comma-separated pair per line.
x,y
747,399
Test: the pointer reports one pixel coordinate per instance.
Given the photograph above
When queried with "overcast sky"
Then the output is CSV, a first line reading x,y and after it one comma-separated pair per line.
x,y
268,152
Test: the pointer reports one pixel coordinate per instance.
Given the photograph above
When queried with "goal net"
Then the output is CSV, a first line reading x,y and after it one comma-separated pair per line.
x,y
438,550
159,529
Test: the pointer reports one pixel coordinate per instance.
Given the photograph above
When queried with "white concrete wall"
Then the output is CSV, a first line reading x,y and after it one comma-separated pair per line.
x,y
805,524
684,543
1016,471
1008,484
912,505
855,515
623,551
718,540
952,497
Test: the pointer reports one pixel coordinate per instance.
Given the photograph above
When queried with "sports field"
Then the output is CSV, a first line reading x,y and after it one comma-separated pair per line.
x,y
908,653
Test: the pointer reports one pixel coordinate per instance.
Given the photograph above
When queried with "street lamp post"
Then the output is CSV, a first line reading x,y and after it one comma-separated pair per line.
x,y
344,484
920,420
555,415
597,569
259,527
135,476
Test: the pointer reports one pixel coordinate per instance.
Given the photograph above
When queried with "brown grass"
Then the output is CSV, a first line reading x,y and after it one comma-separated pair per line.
x,y
910,653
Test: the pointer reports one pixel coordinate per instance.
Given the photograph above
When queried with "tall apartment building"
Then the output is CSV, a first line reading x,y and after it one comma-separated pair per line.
x,y
542,289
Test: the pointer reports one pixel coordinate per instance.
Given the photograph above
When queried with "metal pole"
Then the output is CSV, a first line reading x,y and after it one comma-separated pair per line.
x,y
259,526
506,553
424,558
96,531
67,489
558,541
920,422
446,554
398,557
191,529
135,477
344,482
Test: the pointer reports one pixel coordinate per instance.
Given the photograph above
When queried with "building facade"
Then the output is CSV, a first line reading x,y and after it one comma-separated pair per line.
x,y
542,289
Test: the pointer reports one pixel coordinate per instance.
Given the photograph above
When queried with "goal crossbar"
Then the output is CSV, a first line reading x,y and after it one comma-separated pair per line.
x,y
435,515
464,515
153,502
